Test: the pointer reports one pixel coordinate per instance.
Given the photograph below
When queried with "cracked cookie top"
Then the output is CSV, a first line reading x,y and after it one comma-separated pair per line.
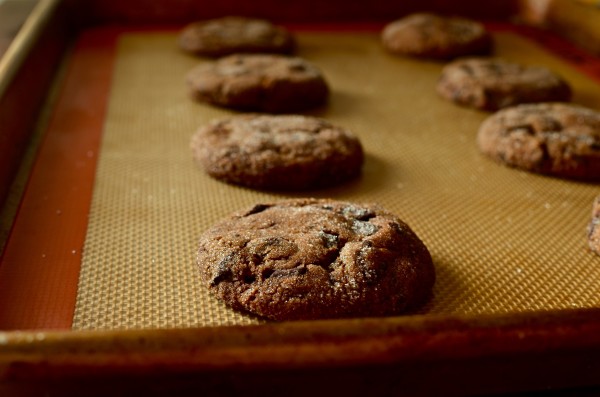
x,y
558,139
285,152
494,83
259,82
311,258
229,35
434,36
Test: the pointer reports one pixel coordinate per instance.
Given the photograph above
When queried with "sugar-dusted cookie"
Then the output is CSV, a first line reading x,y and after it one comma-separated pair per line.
x,y
594,227
312,259
494,83
549,138
229,35
433,36
277,152
267,83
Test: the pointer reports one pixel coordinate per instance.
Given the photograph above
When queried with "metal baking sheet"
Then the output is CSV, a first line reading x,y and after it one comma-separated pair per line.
x,y
110,244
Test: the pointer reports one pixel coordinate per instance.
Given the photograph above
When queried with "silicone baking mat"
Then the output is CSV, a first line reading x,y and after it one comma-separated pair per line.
x,y
502,240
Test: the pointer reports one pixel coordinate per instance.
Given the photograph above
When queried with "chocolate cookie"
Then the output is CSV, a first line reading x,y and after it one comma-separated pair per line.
x,y
311,259
553,138
594,227
269,83
493,83
432,36
277,152
229,35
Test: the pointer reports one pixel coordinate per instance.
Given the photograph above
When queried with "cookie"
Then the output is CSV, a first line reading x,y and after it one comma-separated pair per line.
x,y
277,152
229,35
259,82
557,139
493,83
314,259
594,227
432,36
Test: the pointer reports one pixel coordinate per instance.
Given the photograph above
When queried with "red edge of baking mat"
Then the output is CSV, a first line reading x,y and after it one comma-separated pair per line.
x,y
39,268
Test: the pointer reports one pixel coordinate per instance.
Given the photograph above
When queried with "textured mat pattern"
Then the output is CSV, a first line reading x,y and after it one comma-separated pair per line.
x,y
502,240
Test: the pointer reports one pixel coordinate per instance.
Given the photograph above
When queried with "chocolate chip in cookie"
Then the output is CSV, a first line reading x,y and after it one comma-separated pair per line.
x,y
278,152
557,139
433,36
266,83
230,35
314,259
494,83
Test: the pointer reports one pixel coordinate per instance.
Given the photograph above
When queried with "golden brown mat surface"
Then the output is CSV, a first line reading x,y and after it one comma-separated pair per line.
x,y
502,240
